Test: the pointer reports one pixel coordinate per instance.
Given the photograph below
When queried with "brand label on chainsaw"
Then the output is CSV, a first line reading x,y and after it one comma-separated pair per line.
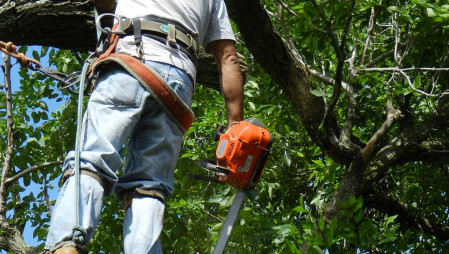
x,y
222,147
248,163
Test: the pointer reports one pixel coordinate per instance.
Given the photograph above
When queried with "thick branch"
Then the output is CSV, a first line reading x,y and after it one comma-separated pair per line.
x,y
392,116
12,241
32,22
6,168
346,133
407,147
406,216
28,170
283,66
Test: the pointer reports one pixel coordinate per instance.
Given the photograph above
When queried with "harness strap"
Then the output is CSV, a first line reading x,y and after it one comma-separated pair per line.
x,y
171,36
138,193
138,37
69,173
148,26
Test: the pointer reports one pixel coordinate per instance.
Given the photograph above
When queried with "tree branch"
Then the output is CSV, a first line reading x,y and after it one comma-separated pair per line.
x,y
285,6
28,170
380,58
392,115
397,69
407,216
368,34
12,241
328,79
284,67
407,147
9,134
346,133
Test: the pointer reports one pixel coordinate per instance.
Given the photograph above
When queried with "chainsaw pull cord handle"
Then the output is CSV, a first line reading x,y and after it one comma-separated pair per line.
x,y
79,234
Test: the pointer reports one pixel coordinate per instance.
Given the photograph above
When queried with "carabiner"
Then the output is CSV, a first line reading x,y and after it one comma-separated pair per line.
x,y
118,30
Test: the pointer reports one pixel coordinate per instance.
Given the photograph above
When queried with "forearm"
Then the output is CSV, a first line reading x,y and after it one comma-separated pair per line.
x,y
231,79
232,88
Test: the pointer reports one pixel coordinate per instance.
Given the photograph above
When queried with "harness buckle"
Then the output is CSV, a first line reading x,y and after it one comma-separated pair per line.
x,y
119,30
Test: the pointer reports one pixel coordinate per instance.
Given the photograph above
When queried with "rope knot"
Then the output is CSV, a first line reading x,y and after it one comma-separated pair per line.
x,y
11,47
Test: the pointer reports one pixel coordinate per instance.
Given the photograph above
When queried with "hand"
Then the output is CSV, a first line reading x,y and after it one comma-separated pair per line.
x,y
232,123
104,5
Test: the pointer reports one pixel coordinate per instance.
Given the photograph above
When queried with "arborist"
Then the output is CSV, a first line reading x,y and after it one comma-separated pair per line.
x,y
163,36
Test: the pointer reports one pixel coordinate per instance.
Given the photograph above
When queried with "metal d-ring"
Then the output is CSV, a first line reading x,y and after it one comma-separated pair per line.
x,y
118,30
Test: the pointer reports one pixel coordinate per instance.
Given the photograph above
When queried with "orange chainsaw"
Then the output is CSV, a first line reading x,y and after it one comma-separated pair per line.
x,y
241,154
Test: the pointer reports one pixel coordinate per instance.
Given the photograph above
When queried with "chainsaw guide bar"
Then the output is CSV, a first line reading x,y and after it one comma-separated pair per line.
x,y
241,154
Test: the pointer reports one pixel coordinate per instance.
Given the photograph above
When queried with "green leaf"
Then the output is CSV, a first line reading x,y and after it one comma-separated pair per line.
x,y
43,105
393,9
321,223
430,12
252,105
36,55
287,158
300,209
44,51
317,92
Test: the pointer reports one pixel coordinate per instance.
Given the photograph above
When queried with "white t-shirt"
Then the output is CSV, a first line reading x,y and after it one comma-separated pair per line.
x,y
205,19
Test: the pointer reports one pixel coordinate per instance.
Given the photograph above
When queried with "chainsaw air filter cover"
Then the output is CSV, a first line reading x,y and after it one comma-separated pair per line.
x,y
244,150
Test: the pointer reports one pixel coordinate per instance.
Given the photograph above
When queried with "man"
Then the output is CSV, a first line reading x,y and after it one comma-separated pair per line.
x,y
122,111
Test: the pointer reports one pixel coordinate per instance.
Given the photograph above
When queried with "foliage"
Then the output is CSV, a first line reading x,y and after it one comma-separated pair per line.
x,y
284,213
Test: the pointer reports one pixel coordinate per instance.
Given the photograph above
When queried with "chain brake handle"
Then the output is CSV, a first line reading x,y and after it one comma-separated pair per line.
x,y
219,131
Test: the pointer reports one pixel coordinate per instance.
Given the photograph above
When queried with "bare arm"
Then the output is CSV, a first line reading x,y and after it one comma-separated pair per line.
x,y
231,79
105,5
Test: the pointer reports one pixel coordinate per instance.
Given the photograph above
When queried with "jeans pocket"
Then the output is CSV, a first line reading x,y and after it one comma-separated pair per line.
x,y
174,126
123,90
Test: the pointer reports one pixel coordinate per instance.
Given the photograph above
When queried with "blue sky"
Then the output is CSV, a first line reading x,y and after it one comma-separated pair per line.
x,y
52,106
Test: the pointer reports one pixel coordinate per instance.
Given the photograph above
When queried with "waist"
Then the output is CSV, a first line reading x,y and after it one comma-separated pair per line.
x,y
163,31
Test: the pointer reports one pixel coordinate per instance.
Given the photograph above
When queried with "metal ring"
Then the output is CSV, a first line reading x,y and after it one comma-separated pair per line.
x,y
107,30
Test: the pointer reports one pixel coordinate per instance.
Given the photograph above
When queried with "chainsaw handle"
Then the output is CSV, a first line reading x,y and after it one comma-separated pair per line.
x,y
218,132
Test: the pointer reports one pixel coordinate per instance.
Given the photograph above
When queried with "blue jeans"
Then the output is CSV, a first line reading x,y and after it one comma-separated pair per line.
x,y
122,112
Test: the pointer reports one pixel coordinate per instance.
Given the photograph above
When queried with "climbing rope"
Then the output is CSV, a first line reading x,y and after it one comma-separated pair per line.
x,y
79,234
66,81
25,62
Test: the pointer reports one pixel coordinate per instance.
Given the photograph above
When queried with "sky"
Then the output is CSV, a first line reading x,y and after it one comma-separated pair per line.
x,y
52,106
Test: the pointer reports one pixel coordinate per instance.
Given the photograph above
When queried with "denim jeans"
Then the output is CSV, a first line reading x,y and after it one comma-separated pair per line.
x,y
120,114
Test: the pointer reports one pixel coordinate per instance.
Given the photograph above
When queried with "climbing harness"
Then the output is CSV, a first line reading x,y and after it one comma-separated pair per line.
x,y
162,92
